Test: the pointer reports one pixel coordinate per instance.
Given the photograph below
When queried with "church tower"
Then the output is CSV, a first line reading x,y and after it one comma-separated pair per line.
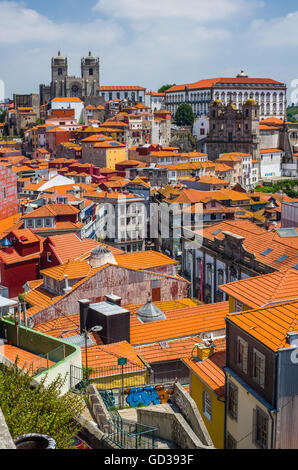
x,y
59,75
90,75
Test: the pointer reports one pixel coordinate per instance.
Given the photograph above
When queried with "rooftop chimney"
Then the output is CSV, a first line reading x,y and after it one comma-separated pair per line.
x,y
84,306
66,289
113,299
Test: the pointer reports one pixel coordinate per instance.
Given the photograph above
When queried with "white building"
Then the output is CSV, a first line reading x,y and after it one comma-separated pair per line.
x,y
269,94
270,162
155,101
201,127
133,93
70,103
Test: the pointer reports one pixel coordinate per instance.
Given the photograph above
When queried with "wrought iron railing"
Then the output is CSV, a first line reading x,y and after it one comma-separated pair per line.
x,y
131,435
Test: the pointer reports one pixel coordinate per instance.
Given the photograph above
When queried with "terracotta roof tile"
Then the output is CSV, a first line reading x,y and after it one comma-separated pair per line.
x,y
210,371
268,288
257,240
269,325
28,361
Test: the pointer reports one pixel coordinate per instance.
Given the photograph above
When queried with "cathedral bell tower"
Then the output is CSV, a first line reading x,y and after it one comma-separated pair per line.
x,y
90,75
59,74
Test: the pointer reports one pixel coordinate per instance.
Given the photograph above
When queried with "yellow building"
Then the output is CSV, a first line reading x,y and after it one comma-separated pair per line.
x,y
208,387
104,154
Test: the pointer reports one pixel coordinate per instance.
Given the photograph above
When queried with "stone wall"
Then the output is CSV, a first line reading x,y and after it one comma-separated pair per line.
x,y
171,426
191,413
6,441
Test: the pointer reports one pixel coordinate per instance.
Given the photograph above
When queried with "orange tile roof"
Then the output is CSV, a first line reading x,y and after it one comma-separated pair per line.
x,y
268,288
212,180
195,196
25,236
264,127
191,322
208,83
50,210
257,240
169,351
73,269
9,222
271,151
109,144
108,355
70,246
71,100
121,88
210,371
144,260
97,138
272,120
30,362
269,325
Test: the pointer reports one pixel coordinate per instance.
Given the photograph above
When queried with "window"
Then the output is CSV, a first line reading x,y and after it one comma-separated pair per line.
x,y
260,428
232,405
90,71
4,193
207,405
259,368
38,223
48,222
202,131
30,223
242,348
220,277
49,257
209,274
231,443
238,306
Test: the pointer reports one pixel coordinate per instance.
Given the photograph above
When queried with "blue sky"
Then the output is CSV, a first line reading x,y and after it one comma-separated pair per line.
x,y
148,43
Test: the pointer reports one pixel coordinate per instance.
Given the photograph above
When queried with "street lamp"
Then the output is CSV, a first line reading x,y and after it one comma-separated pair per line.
x,y
95,329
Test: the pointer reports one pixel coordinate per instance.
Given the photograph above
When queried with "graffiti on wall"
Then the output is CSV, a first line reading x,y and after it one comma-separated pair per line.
x,y
145,396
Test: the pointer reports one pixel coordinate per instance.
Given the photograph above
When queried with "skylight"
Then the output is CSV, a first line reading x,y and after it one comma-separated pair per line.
x,y
295,267
281,259
217,232
266,252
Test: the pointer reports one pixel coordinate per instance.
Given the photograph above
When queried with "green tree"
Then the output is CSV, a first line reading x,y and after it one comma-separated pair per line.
x,y
2,115
184,115
41,409
165,87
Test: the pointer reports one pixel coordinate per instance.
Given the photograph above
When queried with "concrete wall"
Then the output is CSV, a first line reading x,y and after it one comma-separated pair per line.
x,y
39,343
171,426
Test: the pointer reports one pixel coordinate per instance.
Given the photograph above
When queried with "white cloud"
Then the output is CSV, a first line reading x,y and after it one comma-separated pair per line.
x,y
277,32
198,11
21,24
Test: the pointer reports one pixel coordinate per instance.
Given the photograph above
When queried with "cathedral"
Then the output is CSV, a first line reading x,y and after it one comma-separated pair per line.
x,y
62,85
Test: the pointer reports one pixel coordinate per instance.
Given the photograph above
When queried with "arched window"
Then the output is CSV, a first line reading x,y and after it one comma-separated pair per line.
x,y
60,71
90,71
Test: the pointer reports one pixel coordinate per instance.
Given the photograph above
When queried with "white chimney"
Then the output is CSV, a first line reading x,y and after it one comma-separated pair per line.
x,y
67,289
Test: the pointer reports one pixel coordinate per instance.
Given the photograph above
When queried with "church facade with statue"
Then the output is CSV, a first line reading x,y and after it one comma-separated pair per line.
x,y
62,85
